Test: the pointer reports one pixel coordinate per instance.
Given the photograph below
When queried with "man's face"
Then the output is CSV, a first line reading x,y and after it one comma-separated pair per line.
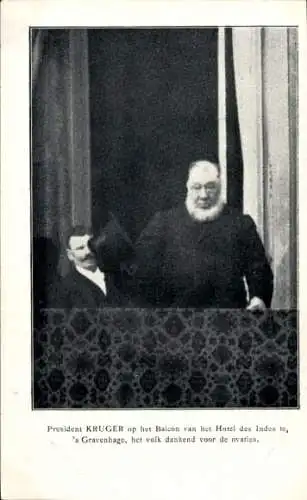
x,y
80,254
204,186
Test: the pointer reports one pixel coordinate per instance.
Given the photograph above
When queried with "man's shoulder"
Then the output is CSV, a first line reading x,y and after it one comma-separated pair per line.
x,y
73,279
176,212
160,219
71,276
62,289
237,216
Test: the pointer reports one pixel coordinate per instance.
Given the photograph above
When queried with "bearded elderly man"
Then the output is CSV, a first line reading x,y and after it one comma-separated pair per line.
x,y
203,253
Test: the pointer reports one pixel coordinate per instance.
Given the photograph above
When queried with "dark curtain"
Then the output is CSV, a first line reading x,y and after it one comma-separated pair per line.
x,y
234,151
50,122
59,160
49,158
154,109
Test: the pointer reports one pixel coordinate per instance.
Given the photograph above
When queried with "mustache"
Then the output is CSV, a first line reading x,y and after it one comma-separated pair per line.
x,y
88,257
206,200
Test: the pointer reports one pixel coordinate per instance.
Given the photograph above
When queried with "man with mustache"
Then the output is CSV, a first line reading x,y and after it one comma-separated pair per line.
x,y
203,253
94,280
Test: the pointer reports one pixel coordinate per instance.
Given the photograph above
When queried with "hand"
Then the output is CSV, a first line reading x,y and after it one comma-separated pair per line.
x,y
256,305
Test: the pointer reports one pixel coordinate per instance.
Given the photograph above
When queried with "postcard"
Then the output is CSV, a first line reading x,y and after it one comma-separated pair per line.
x,y
153,306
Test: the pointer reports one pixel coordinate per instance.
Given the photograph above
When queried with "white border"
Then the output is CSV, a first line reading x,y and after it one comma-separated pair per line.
x,y
36,465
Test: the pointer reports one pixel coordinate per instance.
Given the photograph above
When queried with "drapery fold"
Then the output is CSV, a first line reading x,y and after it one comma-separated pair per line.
x,y
37,38
266,85
247,66
61,170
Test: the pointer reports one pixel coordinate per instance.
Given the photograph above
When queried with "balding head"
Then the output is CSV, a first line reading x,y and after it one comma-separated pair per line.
x,y
204,170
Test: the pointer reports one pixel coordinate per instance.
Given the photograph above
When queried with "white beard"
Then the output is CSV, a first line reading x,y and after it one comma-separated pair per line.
x,y
204,214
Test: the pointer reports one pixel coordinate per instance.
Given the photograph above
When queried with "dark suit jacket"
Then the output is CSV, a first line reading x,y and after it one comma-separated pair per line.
x,y
186,263
77,291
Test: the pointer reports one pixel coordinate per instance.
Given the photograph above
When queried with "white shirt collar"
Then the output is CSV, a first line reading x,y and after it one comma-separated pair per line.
x,y
97,277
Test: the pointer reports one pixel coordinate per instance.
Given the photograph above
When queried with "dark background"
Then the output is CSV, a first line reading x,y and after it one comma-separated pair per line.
x,y
154,109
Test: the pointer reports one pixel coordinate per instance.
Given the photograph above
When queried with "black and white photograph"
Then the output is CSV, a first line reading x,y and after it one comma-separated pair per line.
x,y
164,217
